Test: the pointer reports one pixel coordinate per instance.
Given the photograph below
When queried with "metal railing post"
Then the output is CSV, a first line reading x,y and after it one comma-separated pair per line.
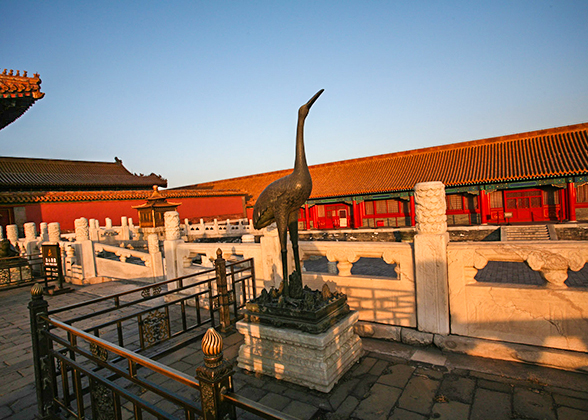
x,y
222,290
215,378
42,360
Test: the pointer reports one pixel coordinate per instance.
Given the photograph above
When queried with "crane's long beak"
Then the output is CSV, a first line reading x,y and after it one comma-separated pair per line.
x,y
314,98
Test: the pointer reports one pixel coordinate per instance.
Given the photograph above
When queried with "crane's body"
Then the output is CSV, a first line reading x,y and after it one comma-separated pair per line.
x,y
281,200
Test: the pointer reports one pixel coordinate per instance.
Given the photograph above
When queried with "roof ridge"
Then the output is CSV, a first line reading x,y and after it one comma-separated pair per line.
x,y
56,160
464,144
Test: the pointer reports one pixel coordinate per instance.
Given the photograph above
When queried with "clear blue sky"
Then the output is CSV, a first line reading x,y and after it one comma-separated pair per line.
x,y
198,91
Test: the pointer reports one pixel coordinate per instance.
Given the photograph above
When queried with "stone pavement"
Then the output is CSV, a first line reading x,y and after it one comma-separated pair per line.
x,y
391,381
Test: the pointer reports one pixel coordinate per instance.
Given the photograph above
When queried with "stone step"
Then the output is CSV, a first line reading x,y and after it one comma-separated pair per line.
x,y
527,233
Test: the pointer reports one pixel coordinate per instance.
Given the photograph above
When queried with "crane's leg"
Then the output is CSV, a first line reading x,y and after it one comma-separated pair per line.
x,y
281,222
293,229
296,289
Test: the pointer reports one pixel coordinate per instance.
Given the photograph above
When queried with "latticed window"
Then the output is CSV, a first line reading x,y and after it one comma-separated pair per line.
x,y
381,207
582,193
454,202
392,206
369,207
321,211
495,199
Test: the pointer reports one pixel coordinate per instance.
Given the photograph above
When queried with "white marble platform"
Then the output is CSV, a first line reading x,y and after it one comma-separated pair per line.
x,y
316,361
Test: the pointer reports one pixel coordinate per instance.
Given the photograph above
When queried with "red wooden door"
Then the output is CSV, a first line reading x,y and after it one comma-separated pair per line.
x,y
524,206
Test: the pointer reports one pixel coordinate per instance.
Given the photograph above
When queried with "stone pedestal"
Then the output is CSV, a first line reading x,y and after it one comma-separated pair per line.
x,y
316,361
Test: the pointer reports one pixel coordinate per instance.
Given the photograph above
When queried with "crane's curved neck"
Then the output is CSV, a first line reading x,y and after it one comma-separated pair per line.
x,y
300,162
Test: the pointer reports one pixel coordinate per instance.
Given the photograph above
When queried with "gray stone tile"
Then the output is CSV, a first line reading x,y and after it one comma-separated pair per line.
x,y
456,388
566,391
580,404
567,413
307,396
495,386
26,392
25,414
346,408
533,404
275,401
418,394
402,414
378,368
254,394
452,410
364,366
300,410
253,379
5,412
275,386
397,375
23,403
379,403
430,373
491,405
341,391
364,385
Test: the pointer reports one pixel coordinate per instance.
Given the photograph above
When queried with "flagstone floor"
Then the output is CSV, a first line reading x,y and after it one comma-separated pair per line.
x,y
391,381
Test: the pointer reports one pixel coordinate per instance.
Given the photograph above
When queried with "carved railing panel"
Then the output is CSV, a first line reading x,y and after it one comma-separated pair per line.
x,y
377,299
551,315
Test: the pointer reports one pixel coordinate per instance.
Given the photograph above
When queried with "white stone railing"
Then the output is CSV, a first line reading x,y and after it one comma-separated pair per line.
x,y
383,300
218,229
434,296
180,256
152,270
550,315
123,253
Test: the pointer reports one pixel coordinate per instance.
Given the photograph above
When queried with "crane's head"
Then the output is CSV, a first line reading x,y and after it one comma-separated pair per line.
x,y
303,111
262,215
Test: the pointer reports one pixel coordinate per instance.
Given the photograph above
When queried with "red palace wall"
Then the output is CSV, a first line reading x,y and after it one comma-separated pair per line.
x,y
66,213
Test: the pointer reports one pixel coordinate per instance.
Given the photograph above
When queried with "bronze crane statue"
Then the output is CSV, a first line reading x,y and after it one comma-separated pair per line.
x,y
281,200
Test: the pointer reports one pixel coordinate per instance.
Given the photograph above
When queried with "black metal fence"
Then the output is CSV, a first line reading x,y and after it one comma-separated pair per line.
x,y
20,271
101,363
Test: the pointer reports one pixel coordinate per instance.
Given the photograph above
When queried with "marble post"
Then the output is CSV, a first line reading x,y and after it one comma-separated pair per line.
x,y
44,232
54,232
86,248
172,240
94,230
430,256
125,233
31,244
30,230
12,234
156,257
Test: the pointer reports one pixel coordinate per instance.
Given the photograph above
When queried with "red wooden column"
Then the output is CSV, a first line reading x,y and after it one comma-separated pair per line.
x,y
355,214
571,202
412,211
314,214
361,213
484,207
306,217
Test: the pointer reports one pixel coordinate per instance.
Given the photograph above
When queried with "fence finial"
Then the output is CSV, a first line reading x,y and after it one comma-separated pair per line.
x,y
37,290
215,378
212,348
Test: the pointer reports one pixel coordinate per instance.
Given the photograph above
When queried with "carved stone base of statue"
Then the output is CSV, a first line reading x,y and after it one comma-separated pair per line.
x,y
316,361
311,311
